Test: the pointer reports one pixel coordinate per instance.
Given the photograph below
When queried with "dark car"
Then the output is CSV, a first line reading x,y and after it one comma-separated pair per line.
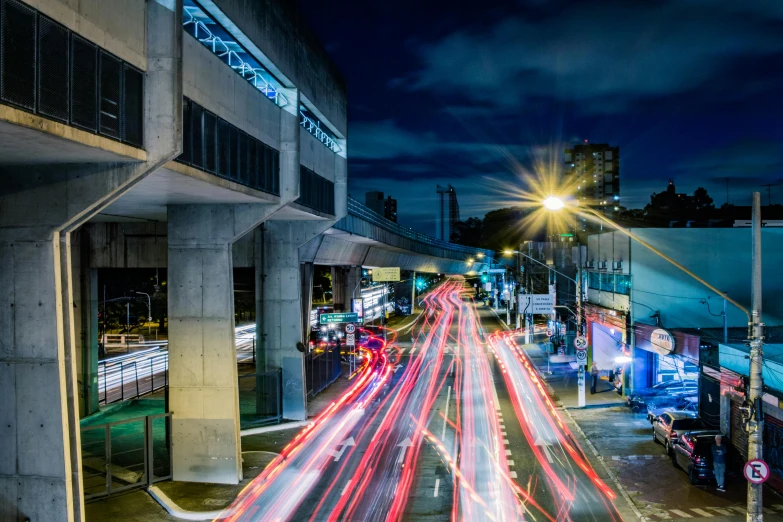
x,y
669,425
689,403
692,452
639,399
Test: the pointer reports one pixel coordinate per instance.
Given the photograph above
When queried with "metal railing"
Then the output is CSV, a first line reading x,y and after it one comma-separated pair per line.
x,y
321,370
358,210
261,398
126,454
132,375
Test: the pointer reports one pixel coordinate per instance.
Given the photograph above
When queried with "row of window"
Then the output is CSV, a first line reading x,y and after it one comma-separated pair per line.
x,y
51,71
606,282
315,191
212,144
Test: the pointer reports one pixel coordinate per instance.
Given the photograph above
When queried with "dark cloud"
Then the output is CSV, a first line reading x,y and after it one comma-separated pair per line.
x,y
606,56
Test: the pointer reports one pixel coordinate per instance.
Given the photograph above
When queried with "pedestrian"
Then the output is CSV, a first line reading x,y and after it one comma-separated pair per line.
x,y
593,377
719,462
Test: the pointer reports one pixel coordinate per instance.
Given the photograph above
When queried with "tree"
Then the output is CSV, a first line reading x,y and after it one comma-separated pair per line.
x,y
468,232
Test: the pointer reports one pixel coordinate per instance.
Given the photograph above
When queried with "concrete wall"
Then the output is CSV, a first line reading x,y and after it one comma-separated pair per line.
x,y
316,157
608,247
116,25
720,256
278,31
215,86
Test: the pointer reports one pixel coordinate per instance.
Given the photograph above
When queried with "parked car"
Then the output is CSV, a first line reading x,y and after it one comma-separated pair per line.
x,y
689,403
692,452
639,399
669,425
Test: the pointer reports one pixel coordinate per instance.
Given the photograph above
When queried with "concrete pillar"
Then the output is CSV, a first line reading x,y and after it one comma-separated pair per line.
x,y
353,275
203,386
283,322
339,296
289,147
85,288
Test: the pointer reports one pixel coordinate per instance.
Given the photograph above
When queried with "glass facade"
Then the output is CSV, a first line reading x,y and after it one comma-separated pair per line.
x,y
607,282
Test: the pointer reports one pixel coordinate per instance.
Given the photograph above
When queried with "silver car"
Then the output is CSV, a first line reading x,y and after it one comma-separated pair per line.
x,y
669,425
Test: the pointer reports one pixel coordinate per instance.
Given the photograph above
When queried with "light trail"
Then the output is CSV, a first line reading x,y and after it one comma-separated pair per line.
x,y
578,492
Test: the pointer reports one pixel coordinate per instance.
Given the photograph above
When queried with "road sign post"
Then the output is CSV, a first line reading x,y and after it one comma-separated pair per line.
x,y
386,274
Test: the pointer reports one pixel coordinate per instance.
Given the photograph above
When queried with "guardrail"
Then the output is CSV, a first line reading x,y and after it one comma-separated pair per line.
x,y
132,375
357,209
126,454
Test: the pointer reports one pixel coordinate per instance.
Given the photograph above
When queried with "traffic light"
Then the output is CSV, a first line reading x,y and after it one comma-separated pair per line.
x,y
484,278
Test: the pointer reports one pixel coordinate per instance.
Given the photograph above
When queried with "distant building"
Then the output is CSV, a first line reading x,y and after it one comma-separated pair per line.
x,y
447,213
374,201
390,209
595,170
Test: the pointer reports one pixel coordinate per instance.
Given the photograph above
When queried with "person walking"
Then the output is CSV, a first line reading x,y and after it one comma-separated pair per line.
x,y
593,377
719,462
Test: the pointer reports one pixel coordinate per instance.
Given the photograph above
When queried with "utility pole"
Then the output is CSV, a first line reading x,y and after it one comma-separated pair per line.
x,y
580,380
756,422
519,283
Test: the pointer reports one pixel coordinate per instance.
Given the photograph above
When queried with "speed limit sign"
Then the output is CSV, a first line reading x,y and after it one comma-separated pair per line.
x,y
350,328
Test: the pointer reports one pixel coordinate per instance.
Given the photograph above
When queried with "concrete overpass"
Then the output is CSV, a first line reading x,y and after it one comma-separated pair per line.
x,y
194,135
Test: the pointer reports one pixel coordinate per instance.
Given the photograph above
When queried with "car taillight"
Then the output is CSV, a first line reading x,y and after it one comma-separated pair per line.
x,y
698,460
673,435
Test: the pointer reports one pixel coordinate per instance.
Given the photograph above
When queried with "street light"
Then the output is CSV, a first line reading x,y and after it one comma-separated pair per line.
x,y
755,332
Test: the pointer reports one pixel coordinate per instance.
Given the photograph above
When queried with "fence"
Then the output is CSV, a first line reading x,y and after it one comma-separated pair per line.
x,y
125,454
260,398
321,370
125,378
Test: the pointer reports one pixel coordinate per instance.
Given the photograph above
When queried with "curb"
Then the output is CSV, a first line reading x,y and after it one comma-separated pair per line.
x,y
274,427
175,511
611,474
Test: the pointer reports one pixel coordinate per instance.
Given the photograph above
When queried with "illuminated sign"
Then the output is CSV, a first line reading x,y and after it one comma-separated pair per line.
x,y
662,341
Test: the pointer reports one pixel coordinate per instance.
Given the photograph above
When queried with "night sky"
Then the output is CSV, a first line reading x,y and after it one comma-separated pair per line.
x,y
471,93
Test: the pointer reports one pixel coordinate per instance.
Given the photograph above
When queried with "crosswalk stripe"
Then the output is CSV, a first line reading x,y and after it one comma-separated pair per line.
x,y
702,512
721,511
682,514
512,474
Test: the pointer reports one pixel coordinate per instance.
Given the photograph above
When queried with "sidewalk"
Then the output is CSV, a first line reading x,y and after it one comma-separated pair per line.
x,y
194,501
563,382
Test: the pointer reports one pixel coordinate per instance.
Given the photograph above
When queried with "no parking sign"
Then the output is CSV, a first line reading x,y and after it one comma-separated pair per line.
x,y
756,471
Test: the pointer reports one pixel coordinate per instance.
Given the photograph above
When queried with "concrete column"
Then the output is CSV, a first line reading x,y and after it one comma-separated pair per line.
x,y
85,304
306,278
339,296
282,307
203,386
353,275
289,147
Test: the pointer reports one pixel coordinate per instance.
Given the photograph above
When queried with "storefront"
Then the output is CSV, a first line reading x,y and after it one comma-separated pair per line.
x,y
673,355
607,340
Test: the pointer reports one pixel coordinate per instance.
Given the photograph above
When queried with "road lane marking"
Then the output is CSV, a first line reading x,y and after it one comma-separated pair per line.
x,y
508,453
510,462
702,512
721,511
347,485
437,487
446,416
505,442
682,514
512,474
548,455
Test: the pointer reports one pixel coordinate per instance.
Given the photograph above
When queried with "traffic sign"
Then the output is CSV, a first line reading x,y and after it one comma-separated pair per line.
x,y
350,339
345,317
536,303
549,332
580,343
581,356
756,471
350,328
386,274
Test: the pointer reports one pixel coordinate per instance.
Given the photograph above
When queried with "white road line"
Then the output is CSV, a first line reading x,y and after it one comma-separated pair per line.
x,y
505,442
510,462
347,485
504,433
722,511
682,514
446,416
437,487
702,512
508,453
548,455
512,474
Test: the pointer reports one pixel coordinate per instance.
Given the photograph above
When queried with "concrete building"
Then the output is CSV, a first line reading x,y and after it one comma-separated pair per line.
x,y
447,213
374,201
594,171
383,207
635,296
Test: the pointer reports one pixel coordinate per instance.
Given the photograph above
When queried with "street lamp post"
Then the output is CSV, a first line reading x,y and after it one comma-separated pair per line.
x,y
755,334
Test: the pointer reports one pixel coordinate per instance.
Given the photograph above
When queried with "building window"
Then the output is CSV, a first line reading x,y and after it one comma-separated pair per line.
x,y
622,284
212,144
607,282
49,70
316,192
